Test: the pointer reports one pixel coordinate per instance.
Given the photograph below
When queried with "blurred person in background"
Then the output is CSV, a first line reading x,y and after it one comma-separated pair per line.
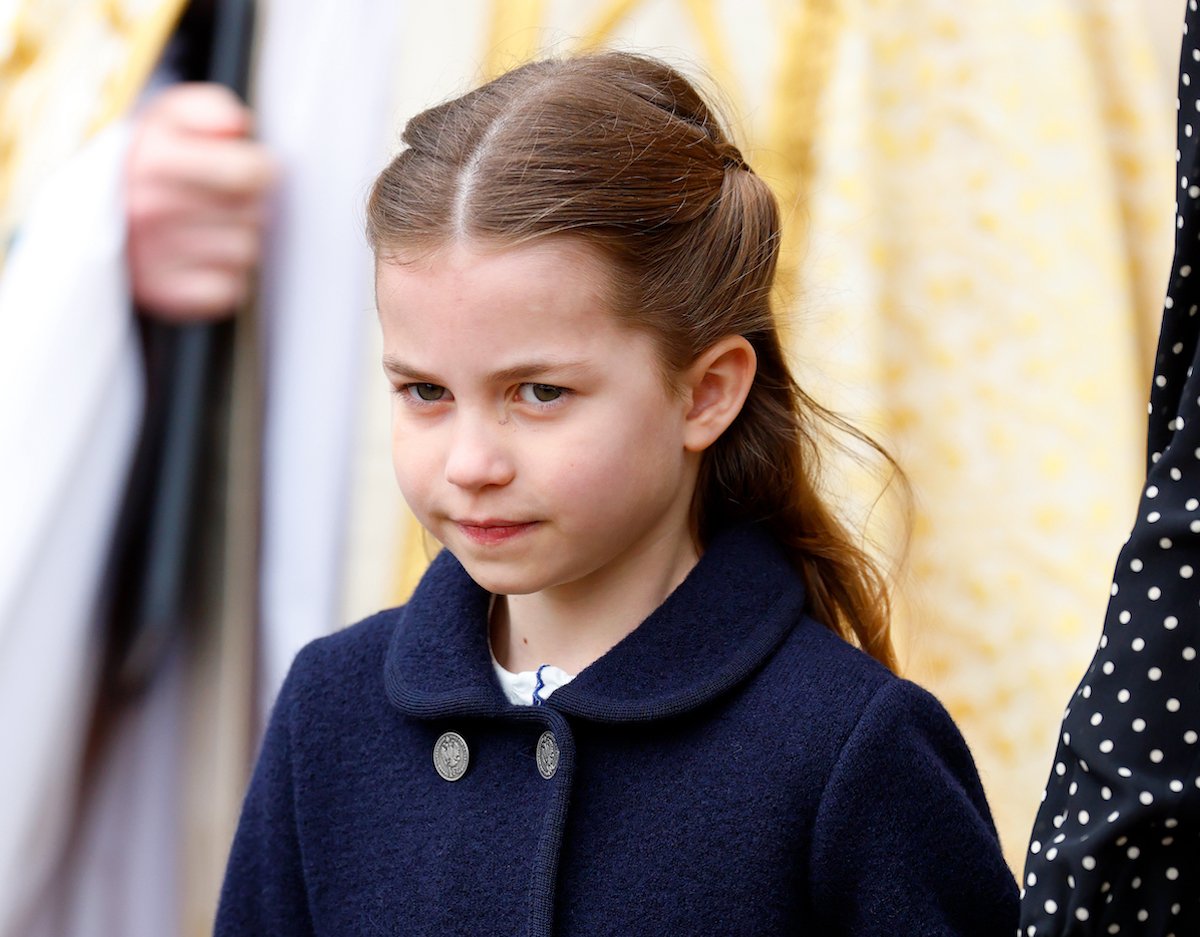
x,y
188,208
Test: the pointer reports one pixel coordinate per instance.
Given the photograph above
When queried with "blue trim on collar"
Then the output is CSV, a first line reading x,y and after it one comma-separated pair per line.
x,y
541,685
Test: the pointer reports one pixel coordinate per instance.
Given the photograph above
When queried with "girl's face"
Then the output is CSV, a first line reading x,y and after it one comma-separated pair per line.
x,y
532,433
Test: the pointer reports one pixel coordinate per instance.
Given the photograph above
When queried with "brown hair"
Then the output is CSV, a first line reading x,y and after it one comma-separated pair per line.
x,y
620,150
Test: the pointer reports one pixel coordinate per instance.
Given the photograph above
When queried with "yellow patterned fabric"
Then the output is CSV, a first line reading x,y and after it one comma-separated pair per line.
x,y
68,67
977,203
989,240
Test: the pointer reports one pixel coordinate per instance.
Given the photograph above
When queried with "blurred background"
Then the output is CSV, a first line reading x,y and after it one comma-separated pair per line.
x,y
978,203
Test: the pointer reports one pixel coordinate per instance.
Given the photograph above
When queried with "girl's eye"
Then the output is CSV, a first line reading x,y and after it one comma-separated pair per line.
x,y
541,393
426,393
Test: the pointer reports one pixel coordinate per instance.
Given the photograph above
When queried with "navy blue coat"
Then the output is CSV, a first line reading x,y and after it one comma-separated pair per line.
x,y
731,767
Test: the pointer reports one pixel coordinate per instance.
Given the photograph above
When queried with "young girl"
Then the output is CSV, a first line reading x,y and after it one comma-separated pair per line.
x,y
647,687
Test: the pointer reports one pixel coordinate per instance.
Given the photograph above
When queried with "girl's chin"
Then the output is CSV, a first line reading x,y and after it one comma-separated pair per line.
x,y
500,577
501,585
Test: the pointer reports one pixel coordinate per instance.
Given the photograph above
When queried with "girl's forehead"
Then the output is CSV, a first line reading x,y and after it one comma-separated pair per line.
x,y
469,300
568,256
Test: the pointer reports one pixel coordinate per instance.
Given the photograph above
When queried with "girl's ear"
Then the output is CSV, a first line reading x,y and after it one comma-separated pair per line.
x,y
717,383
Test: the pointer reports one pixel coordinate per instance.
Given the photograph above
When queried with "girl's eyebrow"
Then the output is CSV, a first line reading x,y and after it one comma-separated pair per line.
x,y
519,372
400,369
536,368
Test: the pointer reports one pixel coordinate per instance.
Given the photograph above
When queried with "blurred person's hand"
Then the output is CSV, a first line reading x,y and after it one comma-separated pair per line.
x,y
196,198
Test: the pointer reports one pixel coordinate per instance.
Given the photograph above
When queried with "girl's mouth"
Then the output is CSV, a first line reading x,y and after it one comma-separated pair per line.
x,y
488,532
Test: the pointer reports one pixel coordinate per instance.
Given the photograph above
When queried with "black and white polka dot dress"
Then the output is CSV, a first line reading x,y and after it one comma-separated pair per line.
x,y
1116,845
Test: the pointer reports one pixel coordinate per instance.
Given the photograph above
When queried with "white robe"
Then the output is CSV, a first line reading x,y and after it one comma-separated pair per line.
x,y
69,413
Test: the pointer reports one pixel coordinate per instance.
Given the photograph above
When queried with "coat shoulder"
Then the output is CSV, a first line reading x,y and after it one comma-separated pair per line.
x,y
829,692
339,668
821,671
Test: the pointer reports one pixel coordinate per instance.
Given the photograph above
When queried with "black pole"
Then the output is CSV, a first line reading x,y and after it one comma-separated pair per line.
x,y
155,548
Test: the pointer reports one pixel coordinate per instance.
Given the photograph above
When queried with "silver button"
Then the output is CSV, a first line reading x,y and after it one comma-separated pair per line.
x,y
451,756
547,755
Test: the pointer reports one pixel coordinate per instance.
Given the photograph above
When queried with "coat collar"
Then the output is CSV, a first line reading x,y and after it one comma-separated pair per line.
x,y
713,631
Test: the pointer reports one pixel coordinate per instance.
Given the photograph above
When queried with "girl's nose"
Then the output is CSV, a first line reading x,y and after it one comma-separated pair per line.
x,y
478,456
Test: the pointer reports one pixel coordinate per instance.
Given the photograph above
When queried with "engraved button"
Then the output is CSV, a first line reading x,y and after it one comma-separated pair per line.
x,y
451,756
547,755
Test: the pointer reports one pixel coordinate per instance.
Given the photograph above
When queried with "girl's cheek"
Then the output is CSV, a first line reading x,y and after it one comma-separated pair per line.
x,y
411,462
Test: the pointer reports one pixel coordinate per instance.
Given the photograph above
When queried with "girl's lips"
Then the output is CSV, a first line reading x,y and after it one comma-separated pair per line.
x,y
493,532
